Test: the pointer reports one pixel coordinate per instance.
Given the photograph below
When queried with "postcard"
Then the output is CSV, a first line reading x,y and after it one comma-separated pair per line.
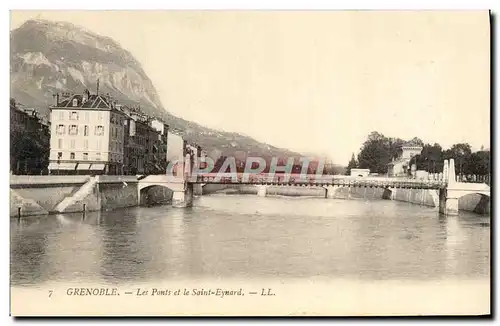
x,y
250,163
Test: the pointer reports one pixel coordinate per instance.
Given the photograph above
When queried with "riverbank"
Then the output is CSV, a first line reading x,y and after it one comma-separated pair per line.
x,y
426,197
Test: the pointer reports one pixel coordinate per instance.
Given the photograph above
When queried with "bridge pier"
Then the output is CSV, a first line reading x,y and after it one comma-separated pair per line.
x,y
330,191
448,199
448,205
183,198
451,206
198,189
261,190
389,193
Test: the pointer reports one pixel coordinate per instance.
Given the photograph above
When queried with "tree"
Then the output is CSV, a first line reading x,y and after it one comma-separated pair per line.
x,y
352,165
416,141
478,163
395,146
376,153
461,154
430,159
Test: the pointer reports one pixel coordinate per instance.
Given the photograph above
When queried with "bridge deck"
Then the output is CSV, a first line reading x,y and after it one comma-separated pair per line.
x,y
313,180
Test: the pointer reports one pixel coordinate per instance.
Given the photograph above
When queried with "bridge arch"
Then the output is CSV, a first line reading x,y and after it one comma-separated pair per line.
x,y
154,194
472,192
476,201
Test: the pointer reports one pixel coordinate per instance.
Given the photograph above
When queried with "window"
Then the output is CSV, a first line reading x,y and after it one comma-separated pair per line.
x,y
98,144
72,144
61,115
75,102
86,116
99,130
85,144
60,129
59,143
86,130
99,116
97,156
85,156
74,115
59,155
71,156
73,130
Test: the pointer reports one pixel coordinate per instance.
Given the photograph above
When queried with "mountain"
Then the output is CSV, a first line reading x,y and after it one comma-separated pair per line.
x,y
48,57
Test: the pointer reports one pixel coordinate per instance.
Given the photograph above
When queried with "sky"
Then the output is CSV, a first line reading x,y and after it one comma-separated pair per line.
x,y
317,81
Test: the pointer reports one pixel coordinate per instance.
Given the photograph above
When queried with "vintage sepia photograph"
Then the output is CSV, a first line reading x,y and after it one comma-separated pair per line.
x,y
250,163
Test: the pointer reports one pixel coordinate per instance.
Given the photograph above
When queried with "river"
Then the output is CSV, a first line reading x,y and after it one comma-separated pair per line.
x,y
224,237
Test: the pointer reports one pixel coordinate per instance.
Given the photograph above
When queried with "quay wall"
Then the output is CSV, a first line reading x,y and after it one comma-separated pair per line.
x,y
40,195
426,197
46,191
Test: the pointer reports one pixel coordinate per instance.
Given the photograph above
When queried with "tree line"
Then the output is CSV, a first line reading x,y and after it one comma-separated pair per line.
x,y
378,151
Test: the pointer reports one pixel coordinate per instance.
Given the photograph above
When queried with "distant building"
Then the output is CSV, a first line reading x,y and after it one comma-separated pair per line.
x,y
30,133
160,155
87,135
27,118
401,165
360,172
142,145
176,147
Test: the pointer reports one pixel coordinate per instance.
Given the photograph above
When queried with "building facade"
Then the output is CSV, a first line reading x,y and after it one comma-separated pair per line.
x,y
401,165
145,146
360,172
176,148
87,135
29,140
160,150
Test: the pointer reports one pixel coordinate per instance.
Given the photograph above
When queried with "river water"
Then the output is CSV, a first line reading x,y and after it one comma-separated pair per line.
x,y
238,236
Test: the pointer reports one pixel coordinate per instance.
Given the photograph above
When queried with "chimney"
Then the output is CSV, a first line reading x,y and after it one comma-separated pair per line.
x,y
56,99
86,95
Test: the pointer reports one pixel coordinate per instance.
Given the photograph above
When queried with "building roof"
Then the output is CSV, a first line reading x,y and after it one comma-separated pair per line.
x,y
94,102
411,143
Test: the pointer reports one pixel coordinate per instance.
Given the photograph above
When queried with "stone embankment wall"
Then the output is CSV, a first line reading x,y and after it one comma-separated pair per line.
x,y
40,195
35,195
427,197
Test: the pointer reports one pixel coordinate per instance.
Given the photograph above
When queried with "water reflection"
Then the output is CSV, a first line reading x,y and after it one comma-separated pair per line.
x,y
249,236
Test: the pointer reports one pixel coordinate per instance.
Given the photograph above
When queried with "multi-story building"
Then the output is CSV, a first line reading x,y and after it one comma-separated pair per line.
x,y
87,135
160,150
30,136
176,149
142,144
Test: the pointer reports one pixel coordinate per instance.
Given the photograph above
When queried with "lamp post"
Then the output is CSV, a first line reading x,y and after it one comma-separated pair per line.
x,y
461,158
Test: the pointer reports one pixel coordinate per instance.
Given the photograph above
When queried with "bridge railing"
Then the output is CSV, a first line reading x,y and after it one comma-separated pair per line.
x,y
474,178
311,179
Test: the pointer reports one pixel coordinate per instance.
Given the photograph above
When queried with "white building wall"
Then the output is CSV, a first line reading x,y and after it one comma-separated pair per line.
x,y
79,143
175,147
